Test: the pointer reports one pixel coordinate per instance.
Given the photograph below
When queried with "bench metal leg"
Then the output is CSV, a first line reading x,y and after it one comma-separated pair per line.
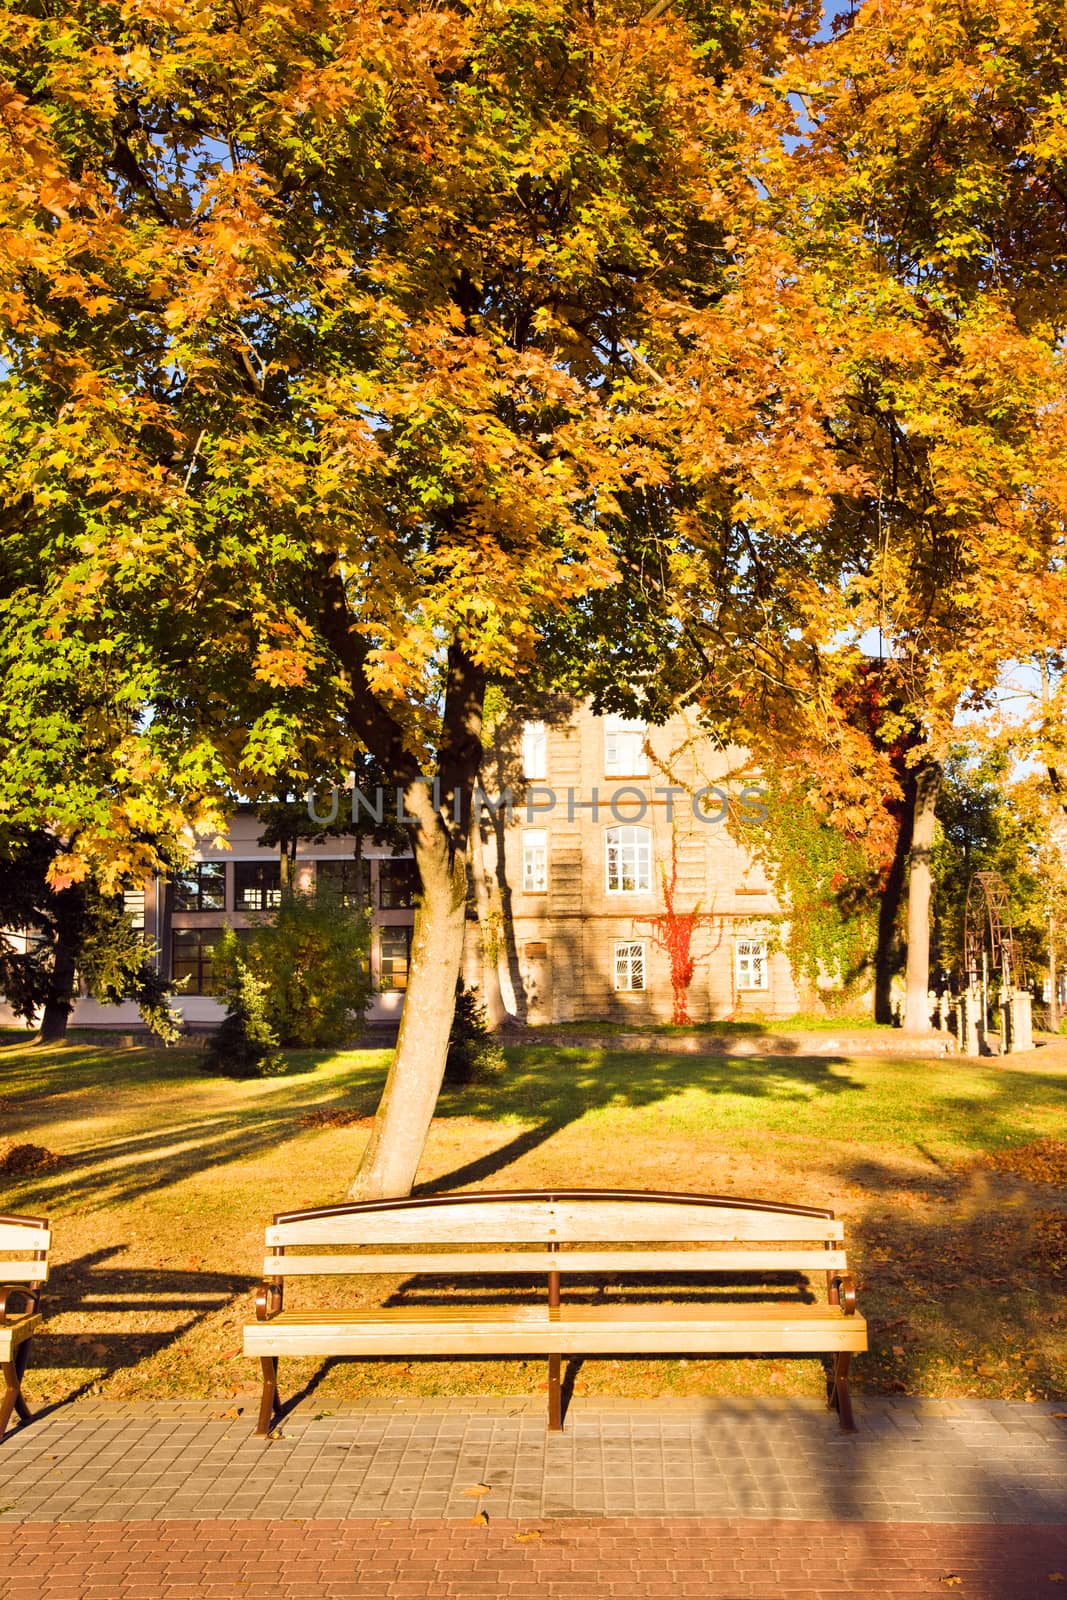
x,y
11,1399
555,1402
268,1405
839,1395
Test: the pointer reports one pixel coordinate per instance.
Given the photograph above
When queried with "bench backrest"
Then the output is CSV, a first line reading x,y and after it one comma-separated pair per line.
x,y
24,1245
561,1230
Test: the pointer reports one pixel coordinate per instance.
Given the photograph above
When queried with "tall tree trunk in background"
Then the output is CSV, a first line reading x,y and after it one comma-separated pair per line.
x,y
489,926
402,1122
920,878
1053,976
887,953
59,1001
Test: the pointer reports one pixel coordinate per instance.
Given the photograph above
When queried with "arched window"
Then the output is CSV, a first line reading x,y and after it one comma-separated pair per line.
x,y
628,857
534,752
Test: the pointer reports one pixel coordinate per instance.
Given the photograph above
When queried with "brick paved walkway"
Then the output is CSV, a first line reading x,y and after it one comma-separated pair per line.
x,y
723,1499
646,1559
948,1461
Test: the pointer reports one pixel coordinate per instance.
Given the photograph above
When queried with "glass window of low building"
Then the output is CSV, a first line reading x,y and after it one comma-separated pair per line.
x,y
751,961
534,861
624,748
629,965
534,752
396,958
257,885
191,954
347,881
133,903
201,887
397,884
629,860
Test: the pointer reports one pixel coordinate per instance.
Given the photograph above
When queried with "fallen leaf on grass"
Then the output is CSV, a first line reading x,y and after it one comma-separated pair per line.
x,y
480,1519
477,1489
524,1538
1042,1161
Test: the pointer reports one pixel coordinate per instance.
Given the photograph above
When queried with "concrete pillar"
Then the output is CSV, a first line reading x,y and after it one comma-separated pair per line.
x,y
1020,1021
969,1029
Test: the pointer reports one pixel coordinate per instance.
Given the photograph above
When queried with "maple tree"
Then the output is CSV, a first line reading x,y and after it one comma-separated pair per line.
x,y
944,135
330,339
916,490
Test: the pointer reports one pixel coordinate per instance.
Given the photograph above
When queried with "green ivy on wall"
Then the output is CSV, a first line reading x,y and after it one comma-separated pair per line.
x,y
822,876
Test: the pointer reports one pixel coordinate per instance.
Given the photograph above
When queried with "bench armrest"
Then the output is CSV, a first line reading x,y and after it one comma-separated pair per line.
x,y
31,1297
845,1294
268,1300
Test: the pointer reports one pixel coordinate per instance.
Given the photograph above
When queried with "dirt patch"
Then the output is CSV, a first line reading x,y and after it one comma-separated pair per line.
x,y
1049,1248
335,1117
1043,1161
25,1160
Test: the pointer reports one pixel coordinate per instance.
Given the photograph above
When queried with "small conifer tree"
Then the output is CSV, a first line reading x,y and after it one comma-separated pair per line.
x,y
245,1044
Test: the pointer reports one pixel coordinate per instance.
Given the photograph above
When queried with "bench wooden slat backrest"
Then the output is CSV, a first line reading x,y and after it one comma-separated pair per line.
x,y
24,1243
566,1225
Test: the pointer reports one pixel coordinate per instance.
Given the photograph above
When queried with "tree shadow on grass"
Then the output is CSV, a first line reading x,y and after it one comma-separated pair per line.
x,y
557,1087
92,1286
118,1171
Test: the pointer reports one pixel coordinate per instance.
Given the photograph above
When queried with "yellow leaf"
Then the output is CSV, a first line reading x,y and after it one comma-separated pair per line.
x,y
480,1519
477,1489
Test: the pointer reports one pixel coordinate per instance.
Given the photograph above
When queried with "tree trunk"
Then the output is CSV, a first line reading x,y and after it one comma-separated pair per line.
x,y
887,953
1053,977
59,1001
917,976
407,1105
403,1118
488,932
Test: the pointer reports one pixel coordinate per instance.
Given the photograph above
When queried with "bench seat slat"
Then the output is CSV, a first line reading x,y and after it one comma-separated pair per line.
x,y
565,1261
568,1221
12,1333
572,1330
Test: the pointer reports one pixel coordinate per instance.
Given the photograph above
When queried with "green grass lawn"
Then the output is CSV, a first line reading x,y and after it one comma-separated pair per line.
x,y
947,1173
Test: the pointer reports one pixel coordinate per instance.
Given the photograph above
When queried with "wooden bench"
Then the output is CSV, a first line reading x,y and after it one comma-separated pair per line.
x,y
24,1245
731,1244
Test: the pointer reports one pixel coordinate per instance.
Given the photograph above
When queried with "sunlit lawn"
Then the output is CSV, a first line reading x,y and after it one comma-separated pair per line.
x,y
168,1177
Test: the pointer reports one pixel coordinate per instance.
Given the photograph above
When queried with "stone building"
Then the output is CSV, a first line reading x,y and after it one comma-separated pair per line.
x,y
606,815
586,820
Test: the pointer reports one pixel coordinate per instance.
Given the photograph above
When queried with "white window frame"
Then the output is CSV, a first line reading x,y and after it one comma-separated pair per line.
x,y
535,752
628,845
535,861
630,966
624,748
750,965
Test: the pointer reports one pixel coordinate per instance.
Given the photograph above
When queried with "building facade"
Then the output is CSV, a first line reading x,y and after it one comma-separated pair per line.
x,y
609,820
601,843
